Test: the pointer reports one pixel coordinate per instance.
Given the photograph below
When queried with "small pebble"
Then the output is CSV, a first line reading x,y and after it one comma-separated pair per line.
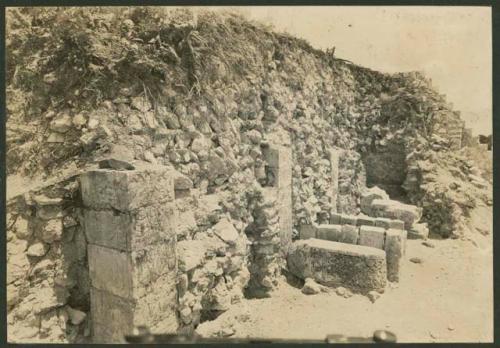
x,y
428,244
226,332
373,296
416,260
340,291
451,327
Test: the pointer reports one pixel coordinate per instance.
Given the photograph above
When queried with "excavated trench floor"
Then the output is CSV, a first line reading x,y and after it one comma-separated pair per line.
x,y
448,297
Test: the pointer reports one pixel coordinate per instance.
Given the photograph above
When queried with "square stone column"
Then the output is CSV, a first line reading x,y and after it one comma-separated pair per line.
x,y
334,164
129,221
279,161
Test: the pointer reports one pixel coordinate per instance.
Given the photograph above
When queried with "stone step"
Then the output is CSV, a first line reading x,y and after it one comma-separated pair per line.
x,y
360,268
391,209
391,239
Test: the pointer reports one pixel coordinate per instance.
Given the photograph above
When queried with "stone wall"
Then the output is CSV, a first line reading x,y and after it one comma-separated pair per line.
x,y
451,127
47,271
212,251
352,181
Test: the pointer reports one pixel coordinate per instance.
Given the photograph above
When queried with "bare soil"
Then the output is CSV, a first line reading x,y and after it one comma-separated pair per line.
x,y
448,297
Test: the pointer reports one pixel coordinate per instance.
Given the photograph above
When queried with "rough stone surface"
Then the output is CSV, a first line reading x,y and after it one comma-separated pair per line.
x,y
383,222
130,230
225,230
418,231
335,218
373,296
110,270
372,236
387,208
348,220
307,231
397,224
190,254
356,267
365,221
394,248
369,195
116,164
126,190
334,167
311,287
132,250
37,250
338,233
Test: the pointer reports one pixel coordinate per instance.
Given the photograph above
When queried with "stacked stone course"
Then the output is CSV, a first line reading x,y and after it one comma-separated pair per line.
x,y
130,222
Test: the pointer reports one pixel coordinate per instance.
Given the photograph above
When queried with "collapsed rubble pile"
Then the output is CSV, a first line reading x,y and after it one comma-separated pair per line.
x,y
447,185
205,94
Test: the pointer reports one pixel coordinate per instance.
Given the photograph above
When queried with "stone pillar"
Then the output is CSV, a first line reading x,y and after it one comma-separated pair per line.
x,y
334,163
129,221
279,162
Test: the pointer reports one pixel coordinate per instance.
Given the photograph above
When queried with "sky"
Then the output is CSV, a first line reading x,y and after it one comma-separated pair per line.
x,y
452,45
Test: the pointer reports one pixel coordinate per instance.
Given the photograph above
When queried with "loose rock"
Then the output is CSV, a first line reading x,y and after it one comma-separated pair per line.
x,y
311,287
37,250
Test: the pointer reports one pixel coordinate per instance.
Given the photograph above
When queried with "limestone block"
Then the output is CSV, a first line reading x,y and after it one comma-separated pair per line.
x,y
307,231
226,231
394,248
350,234
110,270
157,307
190,254
372,236
21,228
145,295
378,207
130,230
369,195
49,212
409,214
52,231
338,233
329,232
383,222
41,200
127,190
37,249
186,222
335,218
356,267
182,182
397,224
151,263
112,317
365,221
348,220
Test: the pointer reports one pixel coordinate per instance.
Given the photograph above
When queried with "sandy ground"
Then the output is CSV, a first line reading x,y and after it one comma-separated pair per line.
x,y
446,298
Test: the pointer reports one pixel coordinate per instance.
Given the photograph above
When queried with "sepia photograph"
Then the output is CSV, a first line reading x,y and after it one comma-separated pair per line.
x,y
249,174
